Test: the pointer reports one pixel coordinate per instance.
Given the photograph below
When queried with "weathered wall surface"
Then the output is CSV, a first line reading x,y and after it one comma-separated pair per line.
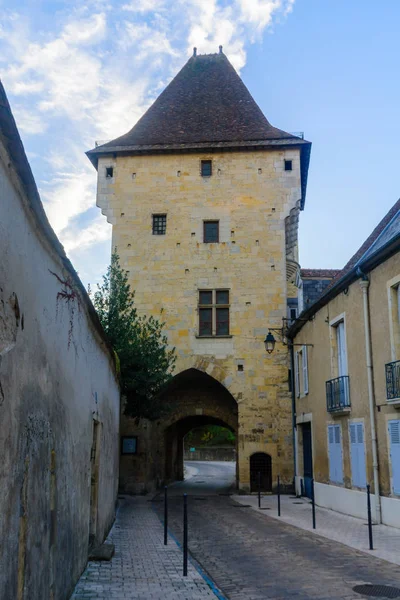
x,y
251,195
322,362
56,377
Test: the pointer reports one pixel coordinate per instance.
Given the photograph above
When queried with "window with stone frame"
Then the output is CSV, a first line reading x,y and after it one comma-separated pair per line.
x,y
213,313
394,312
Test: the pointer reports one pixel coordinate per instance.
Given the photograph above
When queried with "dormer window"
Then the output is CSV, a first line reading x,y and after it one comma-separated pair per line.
x,y
206,168
109,172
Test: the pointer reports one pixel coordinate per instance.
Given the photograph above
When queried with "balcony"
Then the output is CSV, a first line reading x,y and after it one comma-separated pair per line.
x,y
393,381
338,395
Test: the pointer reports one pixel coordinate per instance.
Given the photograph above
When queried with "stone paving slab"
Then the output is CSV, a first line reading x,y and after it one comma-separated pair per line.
x,y
330,524
253,557
142,567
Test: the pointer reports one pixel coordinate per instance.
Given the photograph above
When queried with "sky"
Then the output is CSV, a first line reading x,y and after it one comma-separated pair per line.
x,y
79,71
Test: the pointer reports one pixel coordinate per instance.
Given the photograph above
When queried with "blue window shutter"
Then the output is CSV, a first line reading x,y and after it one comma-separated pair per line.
x,y
338,451
354,454
357,453
305,369
296,374
335,454
331,453
394,435
362,473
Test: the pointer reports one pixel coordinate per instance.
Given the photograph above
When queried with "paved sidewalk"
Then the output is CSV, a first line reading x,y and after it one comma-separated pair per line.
x,y
142,567
330,524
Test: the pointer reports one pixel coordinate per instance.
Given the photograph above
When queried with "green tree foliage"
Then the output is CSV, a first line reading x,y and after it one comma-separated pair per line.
x,y
146,362
210,435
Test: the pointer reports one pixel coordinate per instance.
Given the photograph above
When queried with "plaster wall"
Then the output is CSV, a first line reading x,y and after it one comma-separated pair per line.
x,y
322,366
56,377
251,195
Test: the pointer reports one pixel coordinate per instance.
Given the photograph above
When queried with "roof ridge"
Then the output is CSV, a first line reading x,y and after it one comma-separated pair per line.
x,y
366,245
206,101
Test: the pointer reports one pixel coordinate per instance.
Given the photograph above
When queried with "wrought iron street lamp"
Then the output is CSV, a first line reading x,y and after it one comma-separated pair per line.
x,y
269,343
270,340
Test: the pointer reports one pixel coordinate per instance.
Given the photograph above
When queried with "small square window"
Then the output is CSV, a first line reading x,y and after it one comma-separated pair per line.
x,y
288,165
159,224
109,172
206,168
128,445
211,231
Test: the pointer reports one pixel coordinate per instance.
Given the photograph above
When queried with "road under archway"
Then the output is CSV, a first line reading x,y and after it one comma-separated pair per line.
x,y
195,399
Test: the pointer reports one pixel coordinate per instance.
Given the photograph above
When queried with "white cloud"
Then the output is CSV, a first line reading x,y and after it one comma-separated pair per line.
x,y
85,31
97,232
93,72
71,188
28,122
143,6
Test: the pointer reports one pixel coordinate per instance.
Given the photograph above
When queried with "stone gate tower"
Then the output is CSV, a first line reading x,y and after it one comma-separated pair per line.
x,y
204,197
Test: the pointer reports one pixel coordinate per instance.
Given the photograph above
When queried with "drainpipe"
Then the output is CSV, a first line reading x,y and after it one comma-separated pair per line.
x,y
364,283
294,424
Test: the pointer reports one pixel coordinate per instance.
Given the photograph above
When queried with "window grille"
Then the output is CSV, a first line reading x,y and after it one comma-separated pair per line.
x,y
159,224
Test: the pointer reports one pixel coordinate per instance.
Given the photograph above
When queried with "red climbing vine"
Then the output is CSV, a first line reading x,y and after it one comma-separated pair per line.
x,y
69,295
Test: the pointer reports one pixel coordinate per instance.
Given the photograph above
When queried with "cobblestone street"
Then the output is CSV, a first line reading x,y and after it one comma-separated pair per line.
x,y
239,553
142,567
251,556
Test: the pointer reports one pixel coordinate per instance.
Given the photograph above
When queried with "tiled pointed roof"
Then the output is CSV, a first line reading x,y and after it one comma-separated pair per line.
x,y
206,102
206,107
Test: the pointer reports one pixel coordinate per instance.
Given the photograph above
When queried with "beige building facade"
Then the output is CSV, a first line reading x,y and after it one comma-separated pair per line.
x,y
204,197
347,363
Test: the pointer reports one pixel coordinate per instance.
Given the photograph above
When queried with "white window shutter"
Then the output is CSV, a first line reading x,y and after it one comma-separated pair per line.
x,y
394,435
341,349
296,373
305,369
398,303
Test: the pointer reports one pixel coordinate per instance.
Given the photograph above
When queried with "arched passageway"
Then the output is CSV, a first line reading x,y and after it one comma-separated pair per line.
x,y
260,469
195,400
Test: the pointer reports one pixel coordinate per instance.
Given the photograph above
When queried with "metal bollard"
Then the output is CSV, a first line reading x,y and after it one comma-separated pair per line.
x,y
165,516
313,503
279,496
371,545
259,489
185,536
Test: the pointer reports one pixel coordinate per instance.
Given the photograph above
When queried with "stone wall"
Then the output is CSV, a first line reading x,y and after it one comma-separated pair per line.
x,y
251,195
211,453
57,379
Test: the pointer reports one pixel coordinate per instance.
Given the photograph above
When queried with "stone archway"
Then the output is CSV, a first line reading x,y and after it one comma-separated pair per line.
x,y
195,399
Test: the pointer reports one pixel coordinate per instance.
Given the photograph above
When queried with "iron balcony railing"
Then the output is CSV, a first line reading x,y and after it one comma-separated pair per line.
x,y
393,380
338,393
